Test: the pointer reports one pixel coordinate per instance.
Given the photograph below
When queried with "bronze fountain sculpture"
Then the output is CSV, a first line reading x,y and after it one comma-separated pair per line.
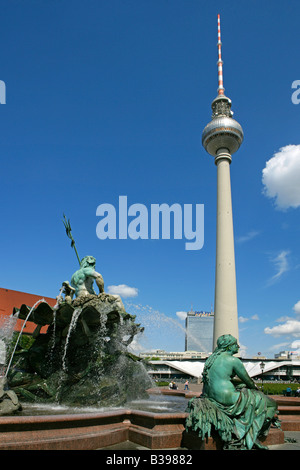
x,y
231,403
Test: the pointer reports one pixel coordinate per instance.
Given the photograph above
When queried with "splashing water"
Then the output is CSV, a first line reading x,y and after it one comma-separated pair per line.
x,y
52,342
7,328
55,308
63,372
59,298
72,327
21,331
157,323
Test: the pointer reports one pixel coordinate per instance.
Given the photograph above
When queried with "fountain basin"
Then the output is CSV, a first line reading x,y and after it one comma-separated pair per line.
x,y
100,430
91,431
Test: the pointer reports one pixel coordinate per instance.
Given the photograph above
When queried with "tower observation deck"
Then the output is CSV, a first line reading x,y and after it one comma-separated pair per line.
x,y
221,138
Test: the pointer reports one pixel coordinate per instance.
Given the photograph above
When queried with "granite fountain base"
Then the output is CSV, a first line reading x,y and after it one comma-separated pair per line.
x,y
89,431
97,431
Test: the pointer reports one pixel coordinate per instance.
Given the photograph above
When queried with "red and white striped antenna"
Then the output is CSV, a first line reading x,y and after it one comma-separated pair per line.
x,y
220,62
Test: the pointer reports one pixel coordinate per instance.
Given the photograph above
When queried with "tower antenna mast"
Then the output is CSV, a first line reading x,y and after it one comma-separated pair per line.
x,y
220,62
221,138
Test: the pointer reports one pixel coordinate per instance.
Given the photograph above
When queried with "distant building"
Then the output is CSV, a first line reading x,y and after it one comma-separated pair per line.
x,y
199,328
160,354
274,370
12,298
287,355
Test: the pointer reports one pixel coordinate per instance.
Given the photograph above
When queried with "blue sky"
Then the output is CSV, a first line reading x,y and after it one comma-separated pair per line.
x,y
105,99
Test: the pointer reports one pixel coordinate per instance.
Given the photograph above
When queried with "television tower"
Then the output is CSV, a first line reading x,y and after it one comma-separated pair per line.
x,y
221,138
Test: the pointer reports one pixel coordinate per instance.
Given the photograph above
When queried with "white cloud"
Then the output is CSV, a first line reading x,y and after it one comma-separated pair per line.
x,y
243,350
283,319
295,344
123,290
181,315
249,236
282,265
243,319
136,347
281,177
278,347
290,327
296,307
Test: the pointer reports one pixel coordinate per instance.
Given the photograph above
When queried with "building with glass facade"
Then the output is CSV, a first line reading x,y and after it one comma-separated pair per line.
x,y
199,328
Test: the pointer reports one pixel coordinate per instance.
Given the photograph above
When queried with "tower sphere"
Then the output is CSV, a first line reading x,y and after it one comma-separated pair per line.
x,y
222,131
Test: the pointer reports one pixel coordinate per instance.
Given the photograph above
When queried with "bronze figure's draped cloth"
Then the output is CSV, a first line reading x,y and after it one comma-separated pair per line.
x,y
231,404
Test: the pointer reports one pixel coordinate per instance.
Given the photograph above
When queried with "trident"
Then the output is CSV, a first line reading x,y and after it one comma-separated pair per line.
x,y
69,234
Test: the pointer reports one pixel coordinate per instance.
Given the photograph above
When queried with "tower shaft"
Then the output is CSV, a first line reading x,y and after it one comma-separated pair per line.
x,y
226,316
221,138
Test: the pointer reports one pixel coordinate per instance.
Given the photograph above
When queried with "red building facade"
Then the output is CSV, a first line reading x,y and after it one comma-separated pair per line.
x,y
11,298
